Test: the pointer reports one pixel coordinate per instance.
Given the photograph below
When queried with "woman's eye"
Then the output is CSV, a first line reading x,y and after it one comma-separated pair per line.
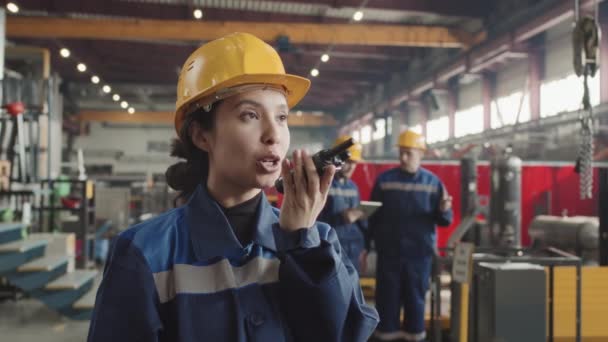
x,y
282,117
249,115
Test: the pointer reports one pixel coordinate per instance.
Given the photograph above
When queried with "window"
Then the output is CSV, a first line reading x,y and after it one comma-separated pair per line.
x,y
509,106
366,134
566,94
438,130
417,128
356,136
380,131
468,121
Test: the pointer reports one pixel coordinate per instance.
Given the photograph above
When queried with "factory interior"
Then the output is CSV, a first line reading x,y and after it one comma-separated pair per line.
x,y
469,142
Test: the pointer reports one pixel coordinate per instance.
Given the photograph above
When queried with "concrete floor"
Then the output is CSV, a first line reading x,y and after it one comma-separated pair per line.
x,y
29,320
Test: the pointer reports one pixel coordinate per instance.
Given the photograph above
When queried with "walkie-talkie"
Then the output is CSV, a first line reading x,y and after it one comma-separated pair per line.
x,y
335,156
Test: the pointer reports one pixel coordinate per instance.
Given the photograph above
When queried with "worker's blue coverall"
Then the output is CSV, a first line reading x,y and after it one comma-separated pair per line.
x,y
404,233
343,195
184,276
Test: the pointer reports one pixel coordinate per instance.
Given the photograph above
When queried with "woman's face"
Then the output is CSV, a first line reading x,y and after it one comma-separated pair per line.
x,y
249,140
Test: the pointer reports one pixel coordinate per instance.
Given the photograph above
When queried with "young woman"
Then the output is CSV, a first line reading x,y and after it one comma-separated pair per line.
x,y
226,266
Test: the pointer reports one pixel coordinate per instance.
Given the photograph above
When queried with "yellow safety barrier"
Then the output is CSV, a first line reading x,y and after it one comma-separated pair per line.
x,y
594,304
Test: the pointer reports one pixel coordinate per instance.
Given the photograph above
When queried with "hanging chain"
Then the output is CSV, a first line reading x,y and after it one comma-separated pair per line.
x,y
585,157
588,31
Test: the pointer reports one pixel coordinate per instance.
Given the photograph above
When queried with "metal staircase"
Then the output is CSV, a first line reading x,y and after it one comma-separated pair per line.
x,y
24,263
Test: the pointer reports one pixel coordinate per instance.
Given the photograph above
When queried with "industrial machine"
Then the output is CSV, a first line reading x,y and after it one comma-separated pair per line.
x,y
511,286
503,289
577,234
504,214
505,201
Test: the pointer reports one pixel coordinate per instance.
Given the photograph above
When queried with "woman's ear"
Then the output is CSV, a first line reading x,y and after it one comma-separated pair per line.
x,y
200,138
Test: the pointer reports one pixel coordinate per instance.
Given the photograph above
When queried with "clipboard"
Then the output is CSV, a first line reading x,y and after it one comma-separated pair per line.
x,y
369,207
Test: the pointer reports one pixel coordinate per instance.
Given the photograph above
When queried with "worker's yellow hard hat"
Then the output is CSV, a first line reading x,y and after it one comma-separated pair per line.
x,y
355,151
411,139
219,68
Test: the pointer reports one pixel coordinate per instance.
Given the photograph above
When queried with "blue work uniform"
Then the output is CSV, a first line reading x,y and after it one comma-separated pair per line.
x,y
404,233
184,276
344,194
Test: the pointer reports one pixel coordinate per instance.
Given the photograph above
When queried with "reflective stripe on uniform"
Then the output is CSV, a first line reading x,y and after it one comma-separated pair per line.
x,y
414,337
213,278
400,186
398,335
343,192
389,336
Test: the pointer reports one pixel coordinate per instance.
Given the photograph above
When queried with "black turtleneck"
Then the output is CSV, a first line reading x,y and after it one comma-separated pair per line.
x,y
242,218
408,174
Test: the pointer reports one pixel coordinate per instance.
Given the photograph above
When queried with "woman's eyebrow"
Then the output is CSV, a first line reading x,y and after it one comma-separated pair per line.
x,y
259,105
250,102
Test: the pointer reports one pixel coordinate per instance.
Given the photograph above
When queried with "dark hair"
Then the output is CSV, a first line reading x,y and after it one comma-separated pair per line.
x,y
185,176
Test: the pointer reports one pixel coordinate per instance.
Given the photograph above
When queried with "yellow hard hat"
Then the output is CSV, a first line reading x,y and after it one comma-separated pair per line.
x,y
227,63
411,139
355,151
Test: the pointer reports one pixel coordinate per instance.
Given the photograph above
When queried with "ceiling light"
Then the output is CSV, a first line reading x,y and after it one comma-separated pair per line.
x,y
124,104
198,14
94,79
81,67
12,7
358,16
65,53
325,58
131,110
107,89
116,97
314,72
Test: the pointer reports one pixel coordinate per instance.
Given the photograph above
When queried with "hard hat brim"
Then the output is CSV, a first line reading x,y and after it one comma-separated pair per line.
x,y
414,147
296,88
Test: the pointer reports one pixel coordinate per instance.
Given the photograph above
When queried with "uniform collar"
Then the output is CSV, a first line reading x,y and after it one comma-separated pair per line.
x,y
210,231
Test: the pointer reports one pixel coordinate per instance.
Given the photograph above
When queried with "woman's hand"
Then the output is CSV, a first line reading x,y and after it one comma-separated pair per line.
x,y
305,193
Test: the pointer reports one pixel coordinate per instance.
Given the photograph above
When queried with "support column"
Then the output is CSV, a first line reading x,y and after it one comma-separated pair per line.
x,y
388,135
2,42
603,19
535,72
603,215
425,110
452,106
405,116
487,92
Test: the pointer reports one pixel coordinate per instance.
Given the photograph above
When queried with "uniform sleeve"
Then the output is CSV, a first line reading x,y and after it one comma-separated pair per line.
x,y
126,307
442,218
329,216
319,289
374,219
